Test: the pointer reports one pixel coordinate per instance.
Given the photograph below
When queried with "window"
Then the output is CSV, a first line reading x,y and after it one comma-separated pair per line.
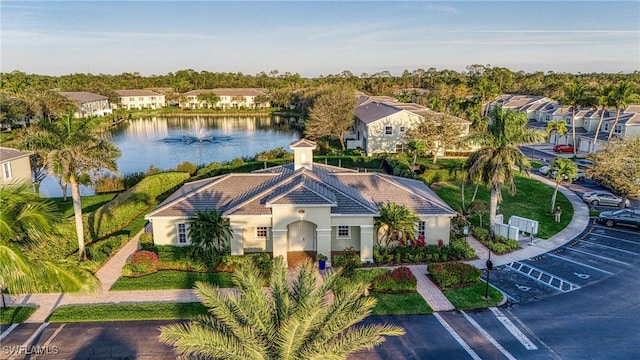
x,y
399,148
402,129
618,129
547,118
422,228
141,98
132,99
344,231
388,130
261,232
182,233
605,127
6,170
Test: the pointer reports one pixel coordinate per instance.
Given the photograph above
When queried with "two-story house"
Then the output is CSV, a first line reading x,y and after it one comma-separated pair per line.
x,y
88,104
15,165
226,98
139,99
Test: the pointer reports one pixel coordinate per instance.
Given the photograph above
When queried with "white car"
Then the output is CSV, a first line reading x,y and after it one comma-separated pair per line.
x,y
580,175
545,170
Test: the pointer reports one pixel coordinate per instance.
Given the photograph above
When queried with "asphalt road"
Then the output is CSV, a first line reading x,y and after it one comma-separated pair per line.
x,y
579,301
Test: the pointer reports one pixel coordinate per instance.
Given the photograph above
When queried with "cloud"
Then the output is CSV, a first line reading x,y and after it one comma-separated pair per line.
x,y
447,9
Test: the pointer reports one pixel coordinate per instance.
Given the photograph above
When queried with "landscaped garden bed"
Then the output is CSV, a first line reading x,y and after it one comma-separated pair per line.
x,y
15,314
135,311
461,284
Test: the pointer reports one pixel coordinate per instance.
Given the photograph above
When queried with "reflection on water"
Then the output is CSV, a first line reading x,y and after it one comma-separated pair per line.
x,y
167,142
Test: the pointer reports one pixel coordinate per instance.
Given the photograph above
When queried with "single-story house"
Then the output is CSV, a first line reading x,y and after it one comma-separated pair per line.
x,y
15,165
303,207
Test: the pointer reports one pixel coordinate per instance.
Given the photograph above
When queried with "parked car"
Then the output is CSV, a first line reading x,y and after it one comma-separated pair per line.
x,y
620,217
603,198
563,148
580,175
545,170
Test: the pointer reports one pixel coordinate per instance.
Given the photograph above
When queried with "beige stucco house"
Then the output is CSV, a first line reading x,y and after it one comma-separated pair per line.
x,y
139,99
15,165
300,207
381,124
229,98
89,104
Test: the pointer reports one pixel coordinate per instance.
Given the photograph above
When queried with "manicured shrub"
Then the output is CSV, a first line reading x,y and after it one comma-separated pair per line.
x,y
397,281
453,274
481,234
108,183
187,167
229,263
349,260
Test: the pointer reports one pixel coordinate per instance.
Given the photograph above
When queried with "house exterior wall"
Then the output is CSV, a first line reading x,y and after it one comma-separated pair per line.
x,y
16,170
165,231
142,102
632,130
94,108
378,141
225,102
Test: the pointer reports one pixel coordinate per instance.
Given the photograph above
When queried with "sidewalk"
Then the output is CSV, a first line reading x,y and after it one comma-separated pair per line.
x,y
579,222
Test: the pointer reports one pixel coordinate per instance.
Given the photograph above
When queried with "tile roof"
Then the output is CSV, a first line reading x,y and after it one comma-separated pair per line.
x,y
371,111
82,96
303,143
229,92
8,154
137,93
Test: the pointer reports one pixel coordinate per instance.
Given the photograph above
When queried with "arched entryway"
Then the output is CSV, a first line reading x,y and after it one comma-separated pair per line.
x,y
301,242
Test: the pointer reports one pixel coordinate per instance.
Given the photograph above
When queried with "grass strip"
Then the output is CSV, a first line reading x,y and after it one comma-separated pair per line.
x,y
15,314
170,279
472,296
118,312
400,304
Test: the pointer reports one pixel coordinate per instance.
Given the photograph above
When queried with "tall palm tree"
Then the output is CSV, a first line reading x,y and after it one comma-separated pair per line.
x,y
622,96
603,100
209,233
307,318
495,162
559,126
393,220
416,148
562,170
575,95
27,219
72,149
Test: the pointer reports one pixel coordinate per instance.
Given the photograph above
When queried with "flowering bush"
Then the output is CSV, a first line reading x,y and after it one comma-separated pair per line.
x,y
453,274
399,280
142,262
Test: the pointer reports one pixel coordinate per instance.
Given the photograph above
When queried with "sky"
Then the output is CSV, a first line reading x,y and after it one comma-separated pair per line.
x,y
314,38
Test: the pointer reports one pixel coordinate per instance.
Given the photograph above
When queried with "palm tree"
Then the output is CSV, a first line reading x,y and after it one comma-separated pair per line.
x,y
604,100
560,127
308,318
622,95
209,233
395,219
72,149
562,170
458,169
575,95
27,219
416,148
495,162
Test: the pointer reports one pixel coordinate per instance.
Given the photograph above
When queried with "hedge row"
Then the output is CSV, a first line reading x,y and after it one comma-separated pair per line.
x,y
453,274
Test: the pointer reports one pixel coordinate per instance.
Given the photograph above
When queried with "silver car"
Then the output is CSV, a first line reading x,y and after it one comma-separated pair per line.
x,y
603,198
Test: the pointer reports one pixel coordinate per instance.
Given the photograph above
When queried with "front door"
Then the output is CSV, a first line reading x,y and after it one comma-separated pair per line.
x,y
302,236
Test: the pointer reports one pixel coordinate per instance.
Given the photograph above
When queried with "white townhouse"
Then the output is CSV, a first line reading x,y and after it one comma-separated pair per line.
x,y
228,98
300,209
381,123
139,99
88,104
540,110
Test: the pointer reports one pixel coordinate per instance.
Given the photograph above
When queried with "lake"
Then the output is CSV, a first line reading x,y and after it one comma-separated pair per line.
x,y
165,142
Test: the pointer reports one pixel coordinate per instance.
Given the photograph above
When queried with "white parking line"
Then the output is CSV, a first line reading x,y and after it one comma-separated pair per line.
x,y
8,331
617,229
524,340
598,256
488,336
579,263
615,238
27,343
457,337
611,248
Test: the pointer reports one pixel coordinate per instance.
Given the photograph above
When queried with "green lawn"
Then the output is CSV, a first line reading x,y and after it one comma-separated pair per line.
x,y
400,304
89,203
15,315
472,297
169,279
532,201
116,312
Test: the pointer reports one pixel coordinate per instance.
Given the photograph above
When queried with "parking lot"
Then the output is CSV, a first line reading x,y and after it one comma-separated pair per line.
x,y
597,254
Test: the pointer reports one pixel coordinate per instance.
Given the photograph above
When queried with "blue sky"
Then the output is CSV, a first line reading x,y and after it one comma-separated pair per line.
x,y
315,38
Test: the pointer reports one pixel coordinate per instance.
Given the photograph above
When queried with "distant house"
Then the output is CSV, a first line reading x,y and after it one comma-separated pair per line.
x,y
228,98
381,123
300,208
89,104
541,110
139,99
15,165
